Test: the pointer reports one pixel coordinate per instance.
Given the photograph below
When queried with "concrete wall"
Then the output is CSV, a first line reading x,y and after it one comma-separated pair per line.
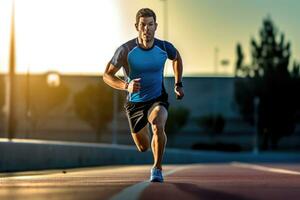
x,y
22,155
204,95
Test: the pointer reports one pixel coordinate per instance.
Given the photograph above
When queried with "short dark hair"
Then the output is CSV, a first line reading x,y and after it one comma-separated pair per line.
x,y
145,12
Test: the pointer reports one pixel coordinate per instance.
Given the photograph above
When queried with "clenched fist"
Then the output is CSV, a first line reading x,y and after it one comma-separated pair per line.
x,y
179,92
134,85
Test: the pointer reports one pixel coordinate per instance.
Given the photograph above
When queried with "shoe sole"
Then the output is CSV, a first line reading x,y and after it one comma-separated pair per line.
x,y
156,180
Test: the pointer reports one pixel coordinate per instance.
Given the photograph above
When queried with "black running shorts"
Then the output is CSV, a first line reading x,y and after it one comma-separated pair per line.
x,y
137,112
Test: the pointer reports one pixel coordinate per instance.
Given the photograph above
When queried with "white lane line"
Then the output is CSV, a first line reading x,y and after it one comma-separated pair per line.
x,y
133,192
262,168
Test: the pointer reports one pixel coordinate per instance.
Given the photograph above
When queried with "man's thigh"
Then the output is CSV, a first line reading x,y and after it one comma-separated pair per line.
x,y
141,138
158,114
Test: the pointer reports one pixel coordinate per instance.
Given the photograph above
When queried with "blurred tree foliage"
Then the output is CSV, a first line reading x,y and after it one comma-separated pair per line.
x,y
44,99
2,93
212,124
94,105
177,119
270,79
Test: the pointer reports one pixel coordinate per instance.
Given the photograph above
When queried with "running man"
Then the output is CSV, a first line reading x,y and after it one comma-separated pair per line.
x,y
143,59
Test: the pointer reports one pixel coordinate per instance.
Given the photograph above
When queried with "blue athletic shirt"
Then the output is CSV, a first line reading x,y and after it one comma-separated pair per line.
x,y
147,64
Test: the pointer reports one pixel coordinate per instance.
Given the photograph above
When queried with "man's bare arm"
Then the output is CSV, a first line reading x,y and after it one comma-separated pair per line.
x,y
177,67
112,80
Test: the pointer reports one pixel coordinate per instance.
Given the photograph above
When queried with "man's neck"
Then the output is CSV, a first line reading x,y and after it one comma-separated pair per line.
x,y
145,44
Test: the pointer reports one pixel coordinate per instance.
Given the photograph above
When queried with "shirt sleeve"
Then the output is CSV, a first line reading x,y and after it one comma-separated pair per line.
x,y
120,57
171,50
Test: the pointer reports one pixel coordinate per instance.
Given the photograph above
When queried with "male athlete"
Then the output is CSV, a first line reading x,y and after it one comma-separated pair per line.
x,y
143,60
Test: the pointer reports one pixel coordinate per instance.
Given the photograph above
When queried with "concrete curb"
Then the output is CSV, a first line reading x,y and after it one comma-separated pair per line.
x,y
23,155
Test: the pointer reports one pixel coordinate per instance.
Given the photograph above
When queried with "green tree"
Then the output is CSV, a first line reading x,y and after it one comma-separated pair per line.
x,y
212,124
2,93
177,119
44,99
2,101
94,105
268,77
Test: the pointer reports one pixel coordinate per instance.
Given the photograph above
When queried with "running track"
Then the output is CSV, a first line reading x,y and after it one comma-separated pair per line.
x,y
228,181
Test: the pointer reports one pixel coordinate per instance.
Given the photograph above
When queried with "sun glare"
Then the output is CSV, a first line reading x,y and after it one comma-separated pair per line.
x,y
63,35
5,7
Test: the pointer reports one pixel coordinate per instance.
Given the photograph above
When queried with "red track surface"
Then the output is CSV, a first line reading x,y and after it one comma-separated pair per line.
x,y
210,181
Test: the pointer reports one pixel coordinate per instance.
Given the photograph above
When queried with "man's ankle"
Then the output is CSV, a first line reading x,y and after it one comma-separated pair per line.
x,y
157,167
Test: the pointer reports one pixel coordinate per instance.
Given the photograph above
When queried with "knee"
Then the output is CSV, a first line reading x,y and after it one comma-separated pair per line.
x,y
158,128
143,148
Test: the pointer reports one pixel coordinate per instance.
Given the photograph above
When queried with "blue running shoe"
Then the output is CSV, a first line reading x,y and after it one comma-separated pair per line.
x,y
156,175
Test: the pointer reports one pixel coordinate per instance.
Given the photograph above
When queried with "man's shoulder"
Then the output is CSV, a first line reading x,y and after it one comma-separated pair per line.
x,y
162,42
168,47
129,44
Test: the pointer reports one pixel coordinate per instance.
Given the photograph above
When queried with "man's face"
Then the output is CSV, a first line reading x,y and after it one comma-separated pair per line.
x,y
146,28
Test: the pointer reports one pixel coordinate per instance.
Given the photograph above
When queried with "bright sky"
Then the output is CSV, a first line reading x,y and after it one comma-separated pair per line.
x,y
80,36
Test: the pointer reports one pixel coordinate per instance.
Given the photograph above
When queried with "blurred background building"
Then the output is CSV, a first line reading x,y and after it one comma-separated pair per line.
x,y
241,72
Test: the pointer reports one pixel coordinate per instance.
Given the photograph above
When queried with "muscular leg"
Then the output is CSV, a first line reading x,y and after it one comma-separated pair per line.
x,y
141,139
158,117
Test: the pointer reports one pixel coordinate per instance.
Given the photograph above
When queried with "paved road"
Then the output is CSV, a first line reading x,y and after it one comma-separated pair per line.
x,y
228,181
